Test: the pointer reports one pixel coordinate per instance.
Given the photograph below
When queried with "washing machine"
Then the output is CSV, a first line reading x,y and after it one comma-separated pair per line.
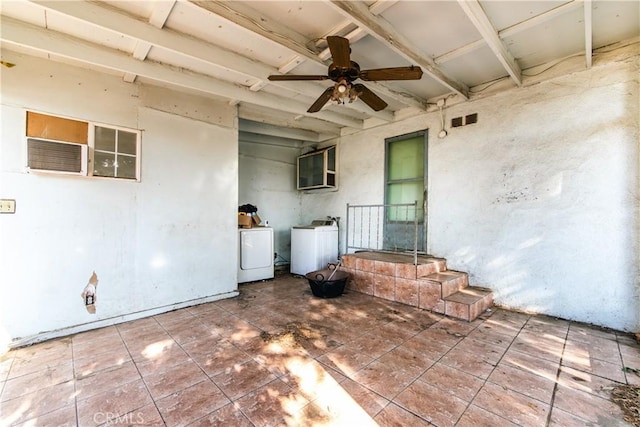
x,y
313,246
255,254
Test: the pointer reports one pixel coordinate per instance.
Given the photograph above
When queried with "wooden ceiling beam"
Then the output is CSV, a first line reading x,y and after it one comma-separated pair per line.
x,y
180,44
160,14
25,35
381,29
476,15
284,119
512,30
248,18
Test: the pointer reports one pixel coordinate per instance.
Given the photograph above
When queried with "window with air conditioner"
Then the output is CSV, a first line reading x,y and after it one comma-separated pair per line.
x,y
317,169
68,146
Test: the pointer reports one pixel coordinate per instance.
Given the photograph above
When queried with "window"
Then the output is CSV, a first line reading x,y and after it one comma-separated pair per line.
x,y
317,169
115,153
61,145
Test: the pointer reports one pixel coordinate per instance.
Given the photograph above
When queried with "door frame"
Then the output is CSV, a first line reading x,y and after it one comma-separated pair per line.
x,y
387,142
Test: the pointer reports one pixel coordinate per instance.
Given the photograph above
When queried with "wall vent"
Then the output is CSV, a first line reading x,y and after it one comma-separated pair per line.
x,y
469,119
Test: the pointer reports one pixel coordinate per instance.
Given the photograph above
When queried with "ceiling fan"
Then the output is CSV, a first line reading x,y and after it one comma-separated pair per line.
x,y
344,72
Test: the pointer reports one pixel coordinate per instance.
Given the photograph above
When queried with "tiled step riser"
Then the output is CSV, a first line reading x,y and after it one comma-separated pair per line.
x,y
418,293
468,311
449,282
403,270
429,286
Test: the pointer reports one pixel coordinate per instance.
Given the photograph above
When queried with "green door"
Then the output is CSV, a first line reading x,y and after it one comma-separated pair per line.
x,y
405,192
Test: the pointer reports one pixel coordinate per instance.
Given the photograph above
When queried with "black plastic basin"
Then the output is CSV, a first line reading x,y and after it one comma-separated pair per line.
x,y
324,288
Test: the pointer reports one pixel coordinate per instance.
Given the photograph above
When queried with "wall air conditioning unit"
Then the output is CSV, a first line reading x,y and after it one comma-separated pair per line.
x,y
55,156
317,169
56,144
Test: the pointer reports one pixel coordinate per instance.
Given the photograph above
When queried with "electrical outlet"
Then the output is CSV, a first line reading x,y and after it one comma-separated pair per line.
x,y
7,206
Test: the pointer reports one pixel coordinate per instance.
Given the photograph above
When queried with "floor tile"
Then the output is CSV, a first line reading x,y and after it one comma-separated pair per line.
x,y
279,356
112,403
372,345
345,360
174,317
310,378
471,363
588,407
560,418
599,349
549,348
611,371
63,417
38,403
6,360
394,416
189,330
527,383
403,358
475,416
271,404
147,416
91,364
384,379
243,378
535,365
433,343
215,356
40,356
586,382
29,383
431,403
174,379
228,415
511,405
366,398
335,407
452,381
105,380
161,357
498,337
192,403
95,342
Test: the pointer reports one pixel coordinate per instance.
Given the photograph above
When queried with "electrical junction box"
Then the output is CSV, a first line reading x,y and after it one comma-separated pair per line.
x,y
7,206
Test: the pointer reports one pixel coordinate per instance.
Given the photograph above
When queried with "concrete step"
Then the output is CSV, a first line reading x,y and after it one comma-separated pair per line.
x,y
468,303
449,281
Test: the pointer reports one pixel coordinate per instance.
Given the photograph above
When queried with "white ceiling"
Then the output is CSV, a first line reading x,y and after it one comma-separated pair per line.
x,y
227,49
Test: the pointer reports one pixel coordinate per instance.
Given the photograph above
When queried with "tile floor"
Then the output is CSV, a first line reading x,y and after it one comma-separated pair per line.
x,y
278,356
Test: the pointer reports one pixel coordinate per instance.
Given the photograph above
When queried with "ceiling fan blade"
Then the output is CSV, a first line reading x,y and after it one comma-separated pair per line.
x,y
340,51
395,73
368,97
316,106
290,77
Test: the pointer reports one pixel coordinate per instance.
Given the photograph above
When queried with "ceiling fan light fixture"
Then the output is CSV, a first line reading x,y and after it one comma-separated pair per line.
x,y
341,91
343,71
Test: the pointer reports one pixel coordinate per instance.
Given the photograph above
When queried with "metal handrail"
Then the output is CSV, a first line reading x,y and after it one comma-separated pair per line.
x,y
367,231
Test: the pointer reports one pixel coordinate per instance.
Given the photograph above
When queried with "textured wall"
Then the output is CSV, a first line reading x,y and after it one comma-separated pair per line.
x,y
153,244
538,200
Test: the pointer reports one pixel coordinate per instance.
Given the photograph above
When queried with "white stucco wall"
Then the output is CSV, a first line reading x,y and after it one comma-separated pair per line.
x,y
538,200
267,176
155,244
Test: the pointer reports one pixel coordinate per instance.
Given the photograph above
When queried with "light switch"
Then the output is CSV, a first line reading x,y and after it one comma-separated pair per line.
x,y
7,206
